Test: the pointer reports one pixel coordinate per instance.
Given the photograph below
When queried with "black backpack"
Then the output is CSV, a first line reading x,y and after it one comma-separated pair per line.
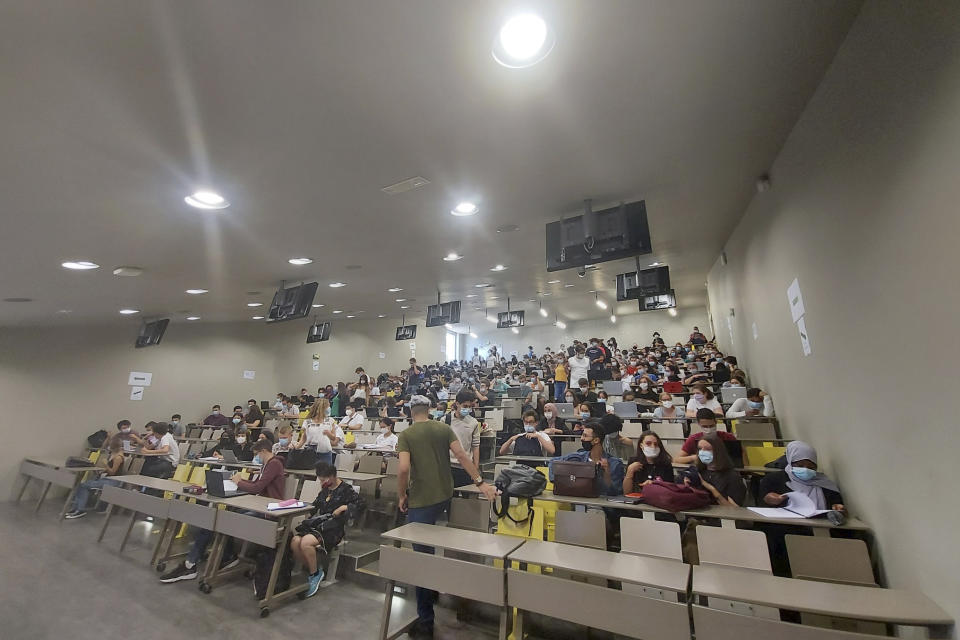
x,y
97,439
518,481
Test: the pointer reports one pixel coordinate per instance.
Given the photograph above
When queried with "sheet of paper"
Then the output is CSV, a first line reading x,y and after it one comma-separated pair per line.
x,y
139,378
802,504
229,485
804,337
413,345
773,512
276,506
136,393
756,332
316,365
249,375
795,298
381,355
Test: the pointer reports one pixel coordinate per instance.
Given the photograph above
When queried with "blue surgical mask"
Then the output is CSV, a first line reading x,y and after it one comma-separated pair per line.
x,y
803,474
529,428
465,412
706,457
755,405
584,414
236,421
283,442
257,460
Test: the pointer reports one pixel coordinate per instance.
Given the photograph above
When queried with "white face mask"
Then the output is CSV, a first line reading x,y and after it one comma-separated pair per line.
x,y
651,452
643,386
667,404
383,432
241,439
548,414
349,412
709,431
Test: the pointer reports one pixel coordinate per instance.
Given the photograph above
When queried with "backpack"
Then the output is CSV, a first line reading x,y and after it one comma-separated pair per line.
x,y
675,497
262,568
97,439
518,481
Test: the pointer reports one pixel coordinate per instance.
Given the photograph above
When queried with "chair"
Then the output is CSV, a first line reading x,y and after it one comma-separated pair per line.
x,y
760,455
568,445
370,464
216,434
182,473
729,547
198,475
309,491
649,537
679,401
205,434
668,429
841,560
393,466
753,430
583,528
135,465
346,461
184,447
632,429
290,484
673,447
470,514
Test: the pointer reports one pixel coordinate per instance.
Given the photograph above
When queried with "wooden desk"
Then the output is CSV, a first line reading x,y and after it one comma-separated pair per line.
x,y
472,580
896,606
52,472
541,461
598,606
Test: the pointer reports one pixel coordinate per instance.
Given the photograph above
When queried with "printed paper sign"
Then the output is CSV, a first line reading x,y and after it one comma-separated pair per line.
x,y
796,300
804,338
413,345
381,355
756,333
136,393
316,365
139,379
249,375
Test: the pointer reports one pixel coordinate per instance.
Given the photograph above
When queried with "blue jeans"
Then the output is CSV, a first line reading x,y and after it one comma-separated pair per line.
x,y
559,388
426,515
325,457
83,491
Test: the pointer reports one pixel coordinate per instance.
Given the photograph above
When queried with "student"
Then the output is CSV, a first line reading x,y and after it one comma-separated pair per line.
x,y
801,475
702,398
386,439
591,443
585,394
572,396
467,430
114,468
737,379
320,432
579,365
290,410
353,418
529,443
717,473
425,485
667,411
161,461
125,431
245,441
707,422
647,389
756,403
697,338
284,437
176,428
536,386
228,440
216,418
312,548
254,417
652,462
278,405
270,483
597,356
551,423
561,371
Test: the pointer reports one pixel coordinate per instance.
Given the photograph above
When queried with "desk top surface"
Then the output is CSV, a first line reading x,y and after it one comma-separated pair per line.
x,y
357,476
151,483
258,504
850,601
483,544
61,465
658,572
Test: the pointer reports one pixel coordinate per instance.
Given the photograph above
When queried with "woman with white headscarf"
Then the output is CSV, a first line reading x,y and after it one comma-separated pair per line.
x,y
801,476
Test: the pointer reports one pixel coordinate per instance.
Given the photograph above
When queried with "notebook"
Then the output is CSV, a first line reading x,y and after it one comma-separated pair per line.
x,y
798,505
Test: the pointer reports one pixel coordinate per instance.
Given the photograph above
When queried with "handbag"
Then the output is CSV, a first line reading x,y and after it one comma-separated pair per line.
x,y
579,479
675,497
305,458
97,438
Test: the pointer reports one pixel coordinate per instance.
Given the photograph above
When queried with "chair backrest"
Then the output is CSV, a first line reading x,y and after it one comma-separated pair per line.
x,y
468,513
679,401
393,466
309,491
345,461
673,447
205,434
757,455
583,528
135,465
370,464
182,473
216,434
184,448
632,429
290,484
753,430
198,475
733,548
830,559
649,537
568,445
714,624
667,429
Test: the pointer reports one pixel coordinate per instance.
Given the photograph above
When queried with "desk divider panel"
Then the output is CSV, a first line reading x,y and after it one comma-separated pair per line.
x,y
135,501
598,607
713,624
246,527
470,580
58,477
198,515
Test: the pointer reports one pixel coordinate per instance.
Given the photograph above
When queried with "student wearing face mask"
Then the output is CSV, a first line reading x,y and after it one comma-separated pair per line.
x,y
707,423
757,403
667,411
216,418
284,440
176,426
290,411
717,473
585,394
801,475
591,450
702,398
353,420
125,431
572,396
551,423
579,365
652,462
320,432
278,405
580,418
467,430
386,439
254,417
596,356
646,389
530,442
162,460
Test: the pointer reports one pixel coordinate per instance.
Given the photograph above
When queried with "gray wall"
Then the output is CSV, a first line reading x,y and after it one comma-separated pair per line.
x,y
863,211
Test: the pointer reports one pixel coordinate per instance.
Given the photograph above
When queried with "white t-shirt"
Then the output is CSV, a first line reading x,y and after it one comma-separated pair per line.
x,y
352,422
387,442
316,436
578,368
713,405
173,456
739,407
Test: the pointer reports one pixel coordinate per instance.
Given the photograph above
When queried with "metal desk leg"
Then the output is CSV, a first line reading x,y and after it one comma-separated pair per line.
x,y
26,481
213,562
106,522
133,519
387,607
504,622
518,620
156,550
42,496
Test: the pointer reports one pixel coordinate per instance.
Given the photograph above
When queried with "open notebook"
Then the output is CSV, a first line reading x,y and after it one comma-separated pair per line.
x,y
798,505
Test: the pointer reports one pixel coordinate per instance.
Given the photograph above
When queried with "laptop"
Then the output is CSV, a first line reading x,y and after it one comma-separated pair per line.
x,y
515,392
220,486
264,405
625,409
613,387
564,409
732,394
229,456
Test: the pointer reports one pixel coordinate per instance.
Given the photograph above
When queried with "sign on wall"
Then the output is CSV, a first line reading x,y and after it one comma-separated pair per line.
x,y
249,375
797,310
136,393
139,378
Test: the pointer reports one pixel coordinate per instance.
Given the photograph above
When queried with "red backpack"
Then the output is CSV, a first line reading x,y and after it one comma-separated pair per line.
x,y
675,497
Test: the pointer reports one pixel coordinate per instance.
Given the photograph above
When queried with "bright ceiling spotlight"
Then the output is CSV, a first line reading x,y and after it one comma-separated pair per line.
x,y
464,209
207,200
523,41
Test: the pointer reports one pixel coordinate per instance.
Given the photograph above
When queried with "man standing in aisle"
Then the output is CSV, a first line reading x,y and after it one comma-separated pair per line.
x,y
425,485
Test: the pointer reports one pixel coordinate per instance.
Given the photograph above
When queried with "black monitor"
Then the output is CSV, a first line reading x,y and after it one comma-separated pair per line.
x,y
609,234
319,332
648,282
292,303
661,301
407,332
510,319
151,333
441,314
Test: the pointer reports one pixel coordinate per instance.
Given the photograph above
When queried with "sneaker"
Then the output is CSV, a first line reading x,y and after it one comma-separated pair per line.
x,y
229,563
73,515
421,629
180,572
313,583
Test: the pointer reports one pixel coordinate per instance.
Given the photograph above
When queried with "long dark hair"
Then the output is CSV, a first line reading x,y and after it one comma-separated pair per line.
x,y
663,459
721,459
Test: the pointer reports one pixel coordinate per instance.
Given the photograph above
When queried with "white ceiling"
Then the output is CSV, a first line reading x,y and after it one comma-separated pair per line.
x,y
300,112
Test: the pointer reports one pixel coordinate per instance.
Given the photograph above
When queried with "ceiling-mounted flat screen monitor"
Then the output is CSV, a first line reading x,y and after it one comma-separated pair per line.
x,y
661,301
441,314
151,333
292,303
510,319
407,332
648,282
319,332
609,234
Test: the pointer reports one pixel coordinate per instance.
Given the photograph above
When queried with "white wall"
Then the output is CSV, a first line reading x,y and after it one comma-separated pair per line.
x,y
863,211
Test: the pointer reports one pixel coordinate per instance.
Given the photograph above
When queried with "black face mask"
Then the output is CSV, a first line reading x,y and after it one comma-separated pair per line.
x,y
586,445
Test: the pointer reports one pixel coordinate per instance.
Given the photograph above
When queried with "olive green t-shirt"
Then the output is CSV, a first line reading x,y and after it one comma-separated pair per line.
x,y
428,444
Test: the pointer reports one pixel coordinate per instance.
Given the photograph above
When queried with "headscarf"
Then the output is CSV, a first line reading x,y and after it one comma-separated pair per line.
x,y
551,407
813,489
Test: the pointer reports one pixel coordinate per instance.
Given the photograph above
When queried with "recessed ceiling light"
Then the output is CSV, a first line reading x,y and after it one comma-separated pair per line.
x,y
561,324
452,257
394,289
207,200
257,318
524,40
80,265
499,267
316,306
654,264
196,292
254,304
380,315
65,311
492,319
494,297
613,319
19,300
193,317
672,312
507,228
546,293
553,282
464,209
601,303
567,286
482,285
543,312
337,285
471,295
300,261
128,312
337,311
400,300
404,306
405,185
473,335
351,316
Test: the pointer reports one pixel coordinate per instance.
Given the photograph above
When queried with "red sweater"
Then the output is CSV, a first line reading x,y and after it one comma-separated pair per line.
x,y
271,480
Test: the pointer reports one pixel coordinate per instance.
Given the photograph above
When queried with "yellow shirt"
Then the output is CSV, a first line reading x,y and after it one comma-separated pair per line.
x,y
561,374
